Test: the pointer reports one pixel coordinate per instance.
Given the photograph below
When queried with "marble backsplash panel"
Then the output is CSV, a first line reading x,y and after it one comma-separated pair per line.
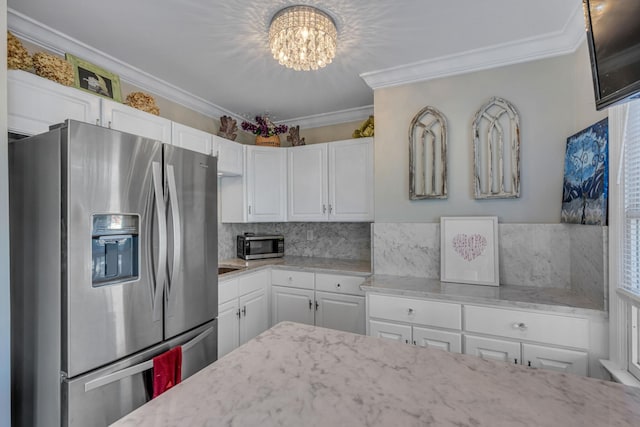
x,y
329,239
542,255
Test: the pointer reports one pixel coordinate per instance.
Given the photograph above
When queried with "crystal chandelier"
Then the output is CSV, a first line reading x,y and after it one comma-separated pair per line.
x,y
302,38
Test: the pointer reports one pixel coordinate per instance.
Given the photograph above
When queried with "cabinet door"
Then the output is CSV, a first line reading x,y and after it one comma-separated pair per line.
x,y
341,312
442,340
292,304
191,139
390,331
126,119
230,156
228,327
351,180
254,312
35,103
557,359
307,183
492,349
266,184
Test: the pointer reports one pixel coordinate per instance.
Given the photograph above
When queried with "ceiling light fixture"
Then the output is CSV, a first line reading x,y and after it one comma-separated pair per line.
x,y
303,38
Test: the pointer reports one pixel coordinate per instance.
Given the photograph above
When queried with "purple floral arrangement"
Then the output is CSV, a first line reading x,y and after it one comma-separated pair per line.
x,y
264,127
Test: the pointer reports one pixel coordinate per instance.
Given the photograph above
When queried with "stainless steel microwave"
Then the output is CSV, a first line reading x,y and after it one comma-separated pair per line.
x,y
259,246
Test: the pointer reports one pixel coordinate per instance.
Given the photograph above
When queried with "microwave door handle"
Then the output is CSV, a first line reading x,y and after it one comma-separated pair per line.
x,y
160,276
177,238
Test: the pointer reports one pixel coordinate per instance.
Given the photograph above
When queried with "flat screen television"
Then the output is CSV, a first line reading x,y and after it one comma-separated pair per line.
x,y
613,35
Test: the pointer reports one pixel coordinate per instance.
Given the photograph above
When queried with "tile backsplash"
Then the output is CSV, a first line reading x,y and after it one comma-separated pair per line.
x,y
311,239
544,255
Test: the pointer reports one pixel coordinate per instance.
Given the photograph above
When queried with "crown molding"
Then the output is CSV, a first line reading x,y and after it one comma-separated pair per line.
x,y
562,42
328,119
54,41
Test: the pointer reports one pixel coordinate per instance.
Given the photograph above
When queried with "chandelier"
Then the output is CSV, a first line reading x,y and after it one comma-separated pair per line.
x,y
302,38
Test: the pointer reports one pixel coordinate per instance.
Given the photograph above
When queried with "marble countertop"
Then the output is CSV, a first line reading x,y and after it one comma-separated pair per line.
x,y
301,375
528,297
327,265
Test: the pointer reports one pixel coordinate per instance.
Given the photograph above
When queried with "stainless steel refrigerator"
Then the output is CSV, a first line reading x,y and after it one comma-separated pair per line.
x,y
113,261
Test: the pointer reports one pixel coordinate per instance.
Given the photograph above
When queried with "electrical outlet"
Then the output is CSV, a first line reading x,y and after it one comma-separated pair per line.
x,y
309,234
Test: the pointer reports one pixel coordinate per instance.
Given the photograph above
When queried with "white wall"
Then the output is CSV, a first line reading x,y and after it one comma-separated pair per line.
x,y
5,367
554,98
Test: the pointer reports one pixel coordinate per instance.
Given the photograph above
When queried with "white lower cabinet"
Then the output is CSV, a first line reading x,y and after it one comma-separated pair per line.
x,y
422,321
536,339
341,312
300,301
243,309
390,331
492,349
532,355
292,304
416,335
557,359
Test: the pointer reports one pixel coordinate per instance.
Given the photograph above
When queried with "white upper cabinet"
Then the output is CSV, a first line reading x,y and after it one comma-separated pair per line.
x,y
230,156
127,119
331,181
307,183
266,184
191,139
259,195
351,180
35,103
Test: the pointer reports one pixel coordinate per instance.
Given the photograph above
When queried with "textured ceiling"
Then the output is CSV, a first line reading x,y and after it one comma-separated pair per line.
x,y
219,50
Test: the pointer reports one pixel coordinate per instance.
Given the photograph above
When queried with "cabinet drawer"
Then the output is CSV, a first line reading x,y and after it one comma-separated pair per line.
x,y
227,290
295,279
428,313
339,283
524,325
252,282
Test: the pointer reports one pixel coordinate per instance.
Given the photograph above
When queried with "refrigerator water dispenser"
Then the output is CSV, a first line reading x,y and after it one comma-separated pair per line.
x,y
114,246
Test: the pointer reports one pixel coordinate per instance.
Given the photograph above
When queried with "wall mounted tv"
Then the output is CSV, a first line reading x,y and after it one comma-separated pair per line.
x,y
613,35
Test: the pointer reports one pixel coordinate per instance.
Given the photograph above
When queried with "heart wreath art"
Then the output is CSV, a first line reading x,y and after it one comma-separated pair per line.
x,y
469,247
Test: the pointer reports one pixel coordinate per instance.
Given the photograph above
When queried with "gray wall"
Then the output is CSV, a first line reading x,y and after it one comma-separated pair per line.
x,y
5,367
554,98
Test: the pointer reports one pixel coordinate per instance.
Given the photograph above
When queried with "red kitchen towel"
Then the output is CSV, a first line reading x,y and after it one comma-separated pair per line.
x,y
167,370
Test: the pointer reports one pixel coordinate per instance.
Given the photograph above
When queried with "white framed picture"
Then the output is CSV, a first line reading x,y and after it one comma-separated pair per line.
x,y
469,250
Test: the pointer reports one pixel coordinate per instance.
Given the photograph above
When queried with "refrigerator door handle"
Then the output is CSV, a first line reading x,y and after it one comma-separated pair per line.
x,y
118,375
140,367
177,237
160,278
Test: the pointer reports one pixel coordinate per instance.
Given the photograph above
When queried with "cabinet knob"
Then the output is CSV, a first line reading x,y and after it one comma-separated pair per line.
x,y
529,363
410,311
337,285
515,361
414,342
317,305
244,311
324,209
310,305
406,341
109,124
520,325
249,209
330,209
238,313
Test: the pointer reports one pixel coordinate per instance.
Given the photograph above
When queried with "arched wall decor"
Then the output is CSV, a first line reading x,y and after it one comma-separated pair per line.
x,y
496,150
428,155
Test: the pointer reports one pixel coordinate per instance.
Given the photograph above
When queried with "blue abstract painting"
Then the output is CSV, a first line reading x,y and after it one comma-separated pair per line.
x,y
586,164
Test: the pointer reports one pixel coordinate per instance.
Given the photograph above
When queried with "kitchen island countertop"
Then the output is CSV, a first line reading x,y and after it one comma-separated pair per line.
x,y
295,375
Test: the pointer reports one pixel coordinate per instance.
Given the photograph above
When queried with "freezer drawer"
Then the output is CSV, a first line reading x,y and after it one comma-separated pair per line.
x,y
104,396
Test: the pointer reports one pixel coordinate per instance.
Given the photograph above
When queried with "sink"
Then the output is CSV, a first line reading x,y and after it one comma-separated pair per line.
x,y
223,270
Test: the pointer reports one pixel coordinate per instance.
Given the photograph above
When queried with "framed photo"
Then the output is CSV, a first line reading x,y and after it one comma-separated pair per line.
x,y
469,250
94,79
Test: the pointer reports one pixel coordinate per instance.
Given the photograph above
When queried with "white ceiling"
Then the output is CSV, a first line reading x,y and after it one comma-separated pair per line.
x,y
218,51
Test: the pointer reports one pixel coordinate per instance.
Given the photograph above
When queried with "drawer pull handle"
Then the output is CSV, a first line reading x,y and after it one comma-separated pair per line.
x,y
410,311
520,325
